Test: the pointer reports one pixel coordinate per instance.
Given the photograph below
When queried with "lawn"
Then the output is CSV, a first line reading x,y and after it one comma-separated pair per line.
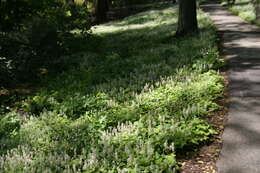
x,y
131,103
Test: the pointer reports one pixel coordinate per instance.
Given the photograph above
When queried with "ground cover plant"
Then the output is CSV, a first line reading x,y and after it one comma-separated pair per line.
x,y
245,9
130,105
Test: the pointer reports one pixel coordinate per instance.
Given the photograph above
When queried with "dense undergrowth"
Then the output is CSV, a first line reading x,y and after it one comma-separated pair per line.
x,y
132,103
35,37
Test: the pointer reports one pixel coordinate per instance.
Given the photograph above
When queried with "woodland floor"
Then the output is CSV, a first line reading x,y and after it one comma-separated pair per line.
x,y
132,77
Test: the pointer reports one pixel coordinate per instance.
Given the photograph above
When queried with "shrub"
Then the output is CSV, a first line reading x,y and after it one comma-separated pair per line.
x,y
36,41
9,128
9,125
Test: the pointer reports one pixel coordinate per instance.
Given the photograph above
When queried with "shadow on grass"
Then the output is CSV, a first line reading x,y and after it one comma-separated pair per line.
x,y
122,62
126,61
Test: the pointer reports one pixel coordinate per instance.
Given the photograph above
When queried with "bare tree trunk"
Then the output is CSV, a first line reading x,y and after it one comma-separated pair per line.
x,y
187,20
257,10
101,9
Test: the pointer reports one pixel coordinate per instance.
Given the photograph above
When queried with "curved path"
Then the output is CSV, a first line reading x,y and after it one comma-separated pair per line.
x,y
241,47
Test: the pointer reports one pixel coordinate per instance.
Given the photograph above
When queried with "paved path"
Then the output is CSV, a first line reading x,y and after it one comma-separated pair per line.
x,y
241,138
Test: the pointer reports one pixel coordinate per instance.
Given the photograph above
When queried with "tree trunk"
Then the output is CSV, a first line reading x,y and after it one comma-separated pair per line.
x,y
187,20
257,10
101,9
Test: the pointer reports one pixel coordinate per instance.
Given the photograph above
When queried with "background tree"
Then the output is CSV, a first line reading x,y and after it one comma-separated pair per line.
x,y
187,20
101,9
257,10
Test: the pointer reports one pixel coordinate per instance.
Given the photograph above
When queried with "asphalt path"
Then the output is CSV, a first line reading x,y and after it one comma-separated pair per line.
x,y
241,48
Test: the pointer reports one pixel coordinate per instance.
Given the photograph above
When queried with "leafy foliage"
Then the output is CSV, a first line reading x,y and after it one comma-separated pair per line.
x,y
37,39
130,105
9,124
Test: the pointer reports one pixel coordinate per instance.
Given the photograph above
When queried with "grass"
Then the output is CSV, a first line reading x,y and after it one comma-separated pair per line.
x,y
132,103
245,9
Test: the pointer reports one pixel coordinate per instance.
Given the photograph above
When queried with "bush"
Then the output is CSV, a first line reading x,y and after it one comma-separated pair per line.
x,y
9,128
9,124
36,41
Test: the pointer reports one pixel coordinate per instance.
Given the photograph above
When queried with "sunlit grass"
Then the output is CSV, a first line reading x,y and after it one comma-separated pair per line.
x,y
245,9
143,20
